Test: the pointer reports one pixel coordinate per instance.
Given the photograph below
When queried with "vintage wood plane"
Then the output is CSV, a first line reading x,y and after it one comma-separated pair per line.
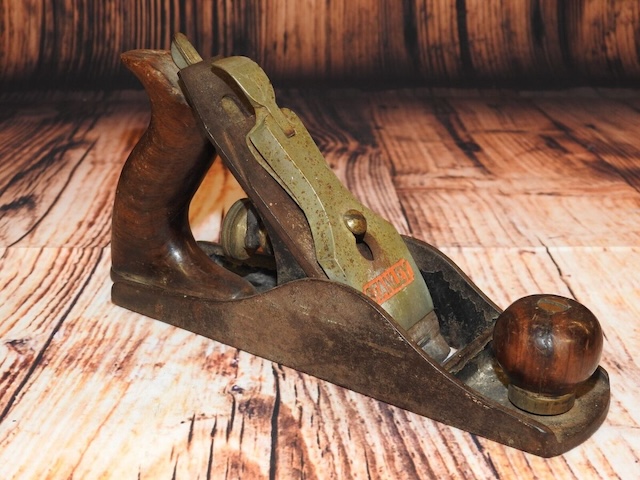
x,y
308,277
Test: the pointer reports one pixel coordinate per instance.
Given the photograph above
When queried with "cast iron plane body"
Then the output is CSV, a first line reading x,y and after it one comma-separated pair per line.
x,y
280,303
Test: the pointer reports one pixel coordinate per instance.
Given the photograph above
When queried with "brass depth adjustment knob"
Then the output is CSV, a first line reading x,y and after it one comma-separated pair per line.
x,y
547,346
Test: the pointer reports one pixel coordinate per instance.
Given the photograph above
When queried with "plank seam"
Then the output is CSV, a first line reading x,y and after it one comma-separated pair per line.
x,y
273,459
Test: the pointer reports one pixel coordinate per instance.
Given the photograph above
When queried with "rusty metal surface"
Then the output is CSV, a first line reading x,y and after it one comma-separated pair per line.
x,y
306,325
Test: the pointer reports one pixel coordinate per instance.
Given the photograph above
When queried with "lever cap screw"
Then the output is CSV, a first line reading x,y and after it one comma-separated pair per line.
x,y
355,222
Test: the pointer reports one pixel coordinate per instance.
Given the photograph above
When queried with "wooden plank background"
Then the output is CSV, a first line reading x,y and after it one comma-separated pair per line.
x,y
63,43
528,192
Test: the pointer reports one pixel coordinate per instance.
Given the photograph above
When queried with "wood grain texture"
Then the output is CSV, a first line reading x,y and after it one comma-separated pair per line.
x,y
528,193
62,44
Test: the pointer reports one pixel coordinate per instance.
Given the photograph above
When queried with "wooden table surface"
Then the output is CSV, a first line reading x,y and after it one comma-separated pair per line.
x,y
527,192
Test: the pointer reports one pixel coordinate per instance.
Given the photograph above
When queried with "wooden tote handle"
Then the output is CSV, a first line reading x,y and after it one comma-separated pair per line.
x,y
152,243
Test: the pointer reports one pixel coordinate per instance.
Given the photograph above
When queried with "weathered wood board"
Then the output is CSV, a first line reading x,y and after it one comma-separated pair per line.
x,y
528,192
539,43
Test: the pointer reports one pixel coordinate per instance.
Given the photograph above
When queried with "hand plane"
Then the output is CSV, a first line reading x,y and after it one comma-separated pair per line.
x,y
307,276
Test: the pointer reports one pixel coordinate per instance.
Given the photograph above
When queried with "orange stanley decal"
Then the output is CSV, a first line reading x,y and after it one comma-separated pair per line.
x,y
389,282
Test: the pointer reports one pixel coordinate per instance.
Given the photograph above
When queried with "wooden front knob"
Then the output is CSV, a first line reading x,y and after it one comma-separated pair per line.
x,y
547,345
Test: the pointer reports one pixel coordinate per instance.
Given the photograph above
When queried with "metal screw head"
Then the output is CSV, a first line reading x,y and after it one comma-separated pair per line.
x,y
355,222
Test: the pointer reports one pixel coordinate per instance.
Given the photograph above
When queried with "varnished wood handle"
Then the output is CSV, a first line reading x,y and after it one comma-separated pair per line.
x,y
152,242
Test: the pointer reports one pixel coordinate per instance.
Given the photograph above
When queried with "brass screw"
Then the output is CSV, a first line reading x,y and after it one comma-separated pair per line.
x,y
242,233
355,222
234,231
